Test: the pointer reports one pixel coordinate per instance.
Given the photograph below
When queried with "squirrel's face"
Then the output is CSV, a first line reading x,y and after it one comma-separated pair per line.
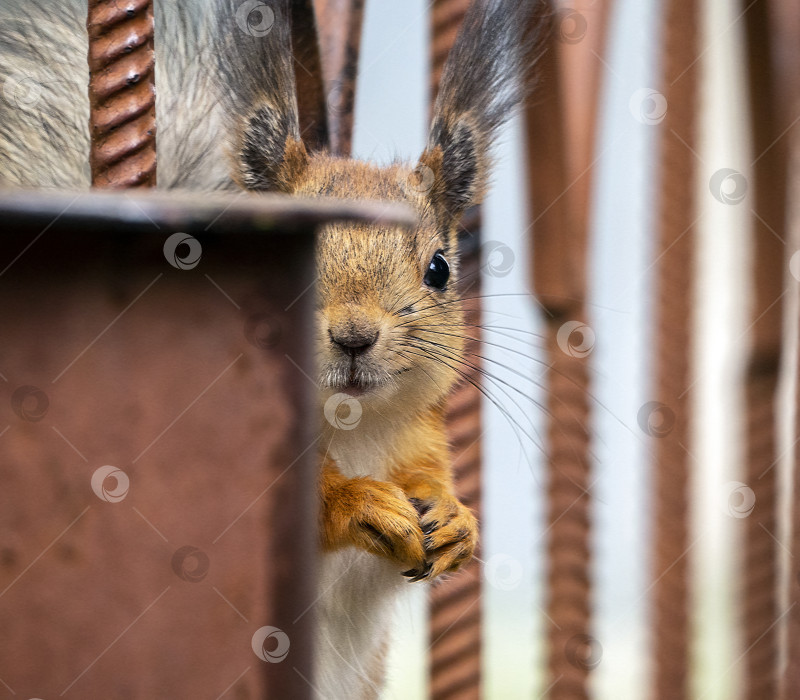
x,y
389,324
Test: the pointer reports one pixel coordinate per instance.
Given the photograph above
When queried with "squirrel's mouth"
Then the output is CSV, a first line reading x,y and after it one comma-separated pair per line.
x,y
357,380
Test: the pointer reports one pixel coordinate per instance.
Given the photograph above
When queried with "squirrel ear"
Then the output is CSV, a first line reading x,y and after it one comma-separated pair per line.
x,y
268,156
458,163
483,80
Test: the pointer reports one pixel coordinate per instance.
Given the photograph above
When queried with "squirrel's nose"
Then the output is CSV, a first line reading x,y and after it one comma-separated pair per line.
x,y
354,342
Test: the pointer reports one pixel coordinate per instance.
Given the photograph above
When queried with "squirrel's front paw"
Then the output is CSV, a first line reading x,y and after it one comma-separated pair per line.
x,y
451,534
375,516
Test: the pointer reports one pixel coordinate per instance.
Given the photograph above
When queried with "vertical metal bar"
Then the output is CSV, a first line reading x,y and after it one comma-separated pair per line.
x,y
558,265
675,252
560,123
311,104
760,587
122,93
455,604
339,23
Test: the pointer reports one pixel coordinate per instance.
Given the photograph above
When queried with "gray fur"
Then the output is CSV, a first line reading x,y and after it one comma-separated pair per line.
x,y
44,106
258,88
44,142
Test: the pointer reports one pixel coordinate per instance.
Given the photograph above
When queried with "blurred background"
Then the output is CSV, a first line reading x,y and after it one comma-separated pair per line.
x,y
638,262
391,121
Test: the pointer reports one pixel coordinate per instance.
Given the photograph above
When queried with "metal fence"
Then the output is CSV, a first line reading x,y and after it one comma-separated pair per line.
x,y
162,520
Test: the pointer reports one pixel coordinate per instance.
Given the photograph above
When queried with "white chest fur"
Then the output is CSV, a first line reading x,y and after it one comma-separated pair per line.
x,y
358,591
358,597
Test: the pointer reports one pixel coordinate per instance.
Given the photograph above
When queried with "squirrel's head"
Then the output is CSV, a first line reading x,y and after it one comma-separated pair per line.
x,y
389,322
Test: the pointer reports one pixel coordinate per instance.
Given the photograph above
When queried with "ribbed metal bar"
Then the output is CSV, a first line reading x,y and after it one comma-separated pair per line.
x,y
560,135
122,93
339,23
760,589
675,250
455,604
311,103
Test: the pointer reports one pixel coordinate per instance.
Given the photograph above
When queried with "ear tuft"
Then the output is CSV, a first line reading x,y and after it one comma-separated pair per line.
x,y
483,80
269,158
456,164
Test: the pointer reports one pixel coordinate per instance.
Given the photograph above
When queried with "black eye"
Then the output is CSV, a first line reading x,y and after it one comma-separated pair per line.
x,y
438,272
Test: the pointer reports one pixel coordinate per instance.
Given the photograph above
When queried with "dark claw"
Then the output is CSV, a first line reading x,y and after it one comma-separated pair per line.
x,y
420,506
379,537
429,528
414,575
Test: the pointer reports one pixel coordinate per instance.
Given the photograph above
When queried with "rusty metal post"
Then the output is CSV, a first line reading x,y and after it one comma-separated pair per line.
x,y
455,605
675,250
561,125
158,535
122,93
760,589
339,23
311,103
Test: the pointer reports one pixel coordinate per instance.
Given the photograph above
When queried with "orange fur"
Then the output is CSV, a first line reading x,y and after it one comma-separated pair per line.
x,y
413,518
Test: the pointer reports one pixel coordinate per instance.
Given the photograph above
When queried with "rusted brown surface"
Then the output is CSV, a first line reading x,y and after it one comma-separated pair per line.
x,y
561,130
339,23
311,102
761,554
560,124
139,211
446,17
122,93
675,250
190,381
455,605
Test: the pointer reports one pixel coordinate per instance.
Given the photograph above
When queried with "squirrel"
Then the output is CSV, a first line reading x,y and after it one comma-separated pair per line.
x,y
389,327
